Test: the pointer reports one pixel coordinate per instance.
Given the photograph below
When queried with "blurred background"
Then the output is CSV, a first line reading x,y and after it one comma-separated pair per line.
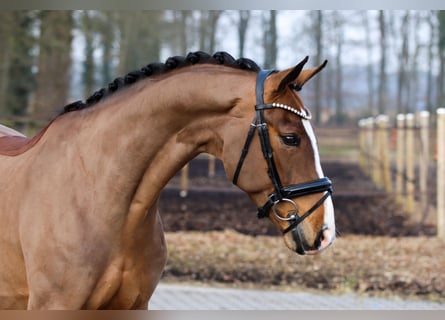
x,y
379,61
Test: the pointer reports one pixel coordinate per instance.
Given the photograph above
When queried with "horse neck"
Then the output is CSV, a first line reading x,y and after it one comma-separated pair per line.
x,y
148,132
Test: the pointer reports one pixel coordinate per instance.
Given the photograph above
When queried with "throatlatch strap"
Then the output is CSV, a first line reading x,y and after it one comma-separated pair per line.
x,y
245,149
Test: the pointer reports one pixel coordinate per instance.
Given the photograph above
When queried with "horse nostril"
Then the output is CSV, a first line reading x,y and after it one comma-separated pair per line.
x,y
318,241
324,239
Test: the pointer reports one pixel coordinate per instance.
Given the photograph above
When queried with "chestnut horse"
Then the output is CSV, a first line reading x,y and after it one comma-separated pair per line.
x,y
80,227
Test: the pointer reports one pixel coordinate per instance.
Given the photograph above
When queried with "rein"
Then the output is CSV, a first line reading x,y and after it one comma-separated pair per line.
x,y
281,193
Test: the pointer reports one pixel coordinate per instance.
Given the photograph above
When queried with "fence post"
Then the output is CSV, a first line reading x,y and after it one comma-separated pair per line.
x,y
184,181
424,120
211,166
400,158
441,173
383,156
409,158
362,145
375,152
368,143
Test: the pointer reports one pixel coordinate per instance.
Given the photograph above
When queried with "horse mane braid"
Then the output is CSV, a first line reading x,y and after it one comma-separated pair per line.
x,y
153,69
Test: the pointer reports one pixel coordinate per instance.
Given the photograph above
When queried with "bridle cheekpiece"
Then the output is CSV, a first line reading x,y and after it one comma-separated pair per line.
x,y
281,193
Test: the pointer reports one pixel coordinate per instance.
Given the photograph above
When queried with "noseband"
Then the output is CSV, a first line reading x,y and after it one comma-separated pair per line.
x,y
281,193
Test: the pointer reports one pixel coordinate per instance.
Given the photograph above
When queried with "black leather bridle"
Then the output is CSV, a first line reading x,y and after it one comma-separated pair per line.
x,y
281,193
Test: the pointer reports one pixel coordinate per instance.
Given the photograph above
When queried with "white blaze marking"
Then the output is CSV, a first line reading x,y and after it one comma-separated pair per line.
x,y
328,206
311,135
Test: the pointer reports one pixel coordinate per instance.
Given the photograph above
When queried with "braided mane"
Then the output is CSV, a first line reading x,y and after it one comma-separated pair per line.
x,y
153,69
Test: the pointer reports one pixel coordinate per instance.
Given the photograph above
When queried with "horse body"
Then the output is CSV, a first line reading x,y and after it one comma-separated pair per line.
x,y
78,204
93,249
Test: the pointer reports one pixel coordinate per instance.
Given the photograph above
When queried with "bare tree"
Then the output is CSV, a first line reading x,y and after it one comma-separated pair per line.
x,y
338,26
182,22
107,31
208,27
413,78
369,64
89,67
54,63
17,79
432,20
441,51
382,85
403,58
6,28
243,23
139,39
317,20
270,39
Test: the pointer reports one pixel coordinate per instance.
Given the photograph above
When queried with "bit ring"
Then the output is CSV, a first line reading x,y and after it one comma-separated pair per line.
x,y
294,214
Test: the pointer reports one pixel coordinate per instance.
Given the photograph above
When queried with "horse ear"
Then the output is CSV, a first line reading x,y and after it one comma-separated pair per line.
x,y
307,74
292,74
297,77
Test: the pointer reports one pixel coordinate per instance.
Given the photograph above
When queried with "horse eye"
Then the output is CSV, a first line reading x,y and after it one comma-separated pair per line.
x,y
291,140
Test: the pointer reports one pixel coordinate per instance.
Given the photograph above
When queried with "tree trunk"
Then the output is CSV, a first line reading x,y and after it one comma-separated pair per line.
x,y
107,38
243,23
369,67
270,40
382,95
339,31
6,33
214,17
208,26
402,77
441,80
183,36
17,80
413,77
431,45
140,40
89,67
318,36
54,64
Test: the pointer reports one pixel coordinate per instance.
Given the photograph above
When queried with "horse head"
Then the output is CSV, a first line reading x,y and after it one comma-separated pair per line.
x,y
279,167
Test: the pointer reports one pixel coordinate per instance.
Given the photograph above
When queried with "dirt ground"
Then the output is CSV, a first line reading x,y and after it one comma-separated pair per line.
x,y
213,235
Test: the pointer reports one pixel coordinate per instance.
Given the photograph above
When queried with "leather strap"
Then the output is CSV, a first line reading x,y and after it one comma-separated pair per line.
x,y
259,93
245,150
300,219
294,191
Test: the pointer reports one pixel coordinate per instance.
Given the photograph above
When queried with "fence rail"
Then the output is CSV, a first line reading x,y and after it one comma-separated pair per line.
x,y
401,158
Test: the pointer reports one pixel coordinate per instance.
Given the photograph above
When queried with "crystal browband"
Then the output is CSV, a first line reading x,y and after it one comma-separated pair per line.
x,y
305,115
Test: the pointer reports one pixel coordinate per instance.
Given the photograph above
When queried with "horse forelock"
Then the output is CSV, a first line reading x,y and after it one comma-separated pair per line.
x,y
157,68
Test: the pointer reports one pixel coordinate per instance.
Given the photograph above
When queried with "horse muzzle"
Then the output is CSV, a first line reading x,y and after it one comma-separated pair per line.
x,y
297,241
304,238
